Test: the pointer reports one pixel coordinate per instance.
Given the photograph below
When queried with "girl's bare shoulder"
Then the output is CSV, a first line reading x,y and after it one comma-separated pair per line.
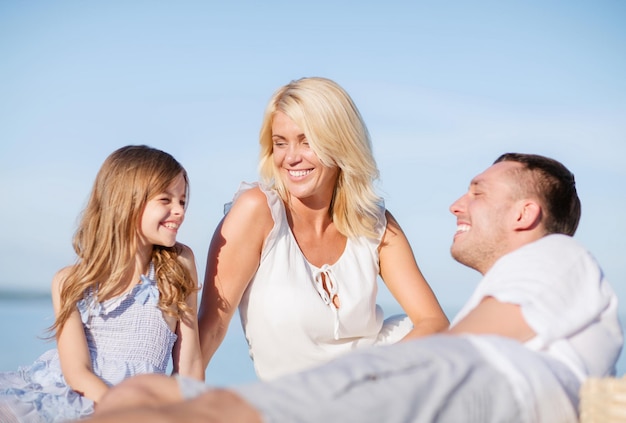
x,y
60,277
185,255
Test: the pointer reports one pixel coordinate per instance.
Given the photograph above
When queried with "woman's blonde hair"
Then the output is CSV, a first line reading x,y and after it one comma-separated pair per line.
x,y
106,239
337,134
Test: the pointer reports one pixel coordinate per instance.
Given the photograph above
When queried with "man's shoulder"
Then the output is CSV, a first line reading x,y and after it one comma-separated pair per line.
x,y
546,257
551,245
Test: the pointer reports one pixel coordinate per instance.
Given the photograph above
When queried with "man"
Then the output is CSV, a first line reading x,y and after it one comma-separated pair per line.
x,y
542,320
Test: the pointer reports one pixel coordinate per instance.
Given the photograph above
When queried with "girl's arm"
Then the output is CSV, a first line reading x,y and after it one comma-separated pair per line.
x,y
186,355
233,259
405,281
73,350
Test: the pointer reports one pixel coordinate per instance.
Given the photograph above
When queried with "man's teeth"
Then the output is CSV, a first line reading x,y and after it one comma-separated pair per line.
x,y
298,173
462,228
171,225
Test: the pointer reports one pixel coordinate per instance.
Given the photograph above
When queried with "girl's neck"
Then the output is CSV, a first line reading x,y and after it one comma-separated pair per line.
x,y
132,275
142,263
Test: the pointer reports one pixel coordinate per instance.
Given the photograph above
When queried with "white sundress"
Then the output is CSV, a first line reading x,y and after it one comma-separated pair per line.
x,y
288,317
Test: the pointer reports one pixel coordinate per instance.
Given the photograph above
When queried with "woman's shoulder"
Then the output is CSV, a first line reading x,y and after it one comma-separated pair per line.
x,y
251,216
253,202
255,195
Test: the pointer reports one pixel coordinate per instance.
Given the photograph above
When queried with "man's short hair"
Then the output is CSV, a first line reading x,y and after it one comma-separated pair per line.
x,y
555,187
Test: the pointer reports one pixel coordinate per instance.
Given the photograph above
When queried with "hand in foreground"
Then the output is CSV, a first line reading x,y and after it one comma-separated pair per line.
x,y
156,398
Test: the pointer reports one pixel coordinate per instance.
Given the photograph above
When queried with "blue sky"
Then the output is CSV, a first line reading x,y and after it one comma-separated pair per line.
x,y
445,87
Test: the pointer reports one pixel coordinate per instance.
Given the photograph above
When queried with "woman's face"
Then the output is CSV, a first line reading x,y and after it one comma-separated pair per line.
x,y
299,167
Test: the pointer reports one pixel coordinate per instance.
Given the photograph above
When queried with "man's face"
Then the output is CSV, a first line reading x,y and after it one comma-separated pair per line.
x,y
484,217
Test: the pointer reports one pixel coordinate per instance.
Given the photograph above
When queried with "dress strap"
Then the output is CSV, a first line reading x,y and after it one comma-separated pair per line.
x,y
151,274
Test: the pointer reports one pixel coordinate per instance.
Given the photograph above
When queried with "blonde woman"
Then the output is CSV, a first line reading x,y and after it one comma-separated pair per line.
x,y
127,305
300,252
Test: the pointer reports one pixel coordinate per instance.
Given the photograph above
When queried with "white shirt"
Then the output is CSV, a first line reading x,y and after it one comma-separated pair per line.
x,y
564,298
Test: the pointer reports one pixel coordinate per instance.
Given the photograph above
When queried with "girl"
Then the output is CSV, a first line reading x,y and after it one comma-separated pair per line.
x,y
129,302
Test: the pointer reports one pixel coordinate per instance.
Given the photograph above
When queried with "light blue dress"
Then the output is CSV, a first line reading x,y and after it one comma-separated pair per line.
x,y
126,336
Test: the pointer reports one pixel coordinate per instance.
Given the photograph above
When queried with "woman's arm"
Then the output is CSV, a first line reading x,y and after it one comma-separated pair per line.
x,y
405,281
186,355
73,350
233,259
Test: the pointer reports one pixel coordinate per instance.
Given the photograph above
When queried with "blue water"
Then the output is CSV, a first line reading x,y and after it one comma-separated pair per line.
x,y
23,322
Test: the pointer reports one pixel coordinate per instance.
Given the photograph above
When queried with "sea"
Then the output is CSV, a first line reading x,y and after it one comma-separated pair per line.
x,y
25,317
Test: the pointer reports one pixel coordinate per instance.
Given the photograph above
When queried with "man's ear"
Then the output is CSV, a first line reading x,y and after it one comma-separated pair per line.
x,y
528,215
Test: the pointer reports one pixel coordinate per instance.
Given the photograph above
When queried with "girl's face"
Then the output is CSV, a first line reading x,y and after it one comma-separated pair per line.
x,y
163,215
299,167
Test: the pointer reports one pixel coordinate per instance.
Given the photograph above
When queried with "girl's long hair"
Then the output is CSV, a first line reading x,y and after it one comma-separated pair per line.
x,y
105,241
337,134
